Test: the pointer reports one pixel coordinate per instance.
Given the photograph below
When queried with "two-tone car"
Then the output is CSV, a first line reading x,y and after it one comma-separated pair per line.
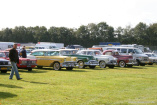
x,y
104,60
24,63
5,65
52,58
122,60
83,60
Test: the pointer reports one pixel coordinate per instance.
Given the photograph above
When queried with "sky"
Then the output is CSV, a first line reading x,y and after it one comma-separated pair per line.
x,y
74,13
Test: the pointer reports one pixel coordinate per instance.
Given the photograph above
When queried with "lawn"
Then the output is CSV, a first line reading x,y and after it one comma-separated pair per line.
x,y
118,86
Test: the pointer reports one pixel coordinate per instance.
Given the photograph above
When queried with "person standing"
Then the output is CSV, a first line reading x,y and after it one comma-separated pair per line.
x,y
23,52
13,55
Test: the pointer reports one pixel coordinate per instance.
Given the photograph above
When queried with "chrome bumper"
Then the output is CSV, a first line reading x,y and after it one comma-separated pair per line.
x,y
91,63
68,64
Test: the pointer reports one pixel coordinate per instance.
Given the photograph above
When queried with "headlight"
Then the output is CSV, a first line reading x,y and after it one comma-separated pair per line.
x,y
33,61
9,63
87,58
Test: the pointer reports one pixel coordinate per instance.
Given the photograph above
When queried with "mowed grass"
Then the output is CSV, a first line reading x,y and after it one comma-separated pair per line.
x,y
119,86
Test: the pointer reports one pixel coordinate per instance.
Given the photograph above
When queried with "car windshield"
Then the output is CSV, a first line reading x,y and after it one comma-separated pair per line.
x,y
138,51
2,54
149,55
71,52
154,55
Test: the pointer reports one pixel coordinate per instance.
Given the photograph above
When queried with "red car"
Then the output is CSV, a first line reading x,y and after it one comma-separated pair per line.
x,y
122,60
24,63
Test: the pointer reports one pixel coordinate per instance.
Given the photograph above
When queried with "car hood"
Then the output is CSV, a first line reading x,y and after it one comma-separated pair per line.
x,y
3,59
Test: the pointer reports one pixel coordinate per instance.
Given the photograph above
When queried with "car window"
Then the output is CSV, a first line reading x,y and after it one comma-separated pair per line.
x,y
2,54
123,50
7,54
97,53
53,53
149,55
38,53
82,52
66,52
130,51
90,53
108,53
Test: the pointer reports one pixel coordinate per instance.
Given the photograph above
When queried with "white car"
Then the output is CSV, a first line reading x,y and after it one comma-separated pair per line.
x,y
104,60
152,58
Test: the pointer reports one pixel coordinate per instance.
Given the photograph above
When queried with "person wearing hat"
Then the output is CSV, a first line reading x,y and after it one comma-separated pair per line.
x,y
13,56
23,52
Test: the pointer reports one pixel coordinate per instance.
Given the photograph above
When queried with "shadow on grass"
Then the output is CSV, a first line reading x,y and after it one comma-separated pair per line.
x,y
9,86
4,95
129,68
34,82
64,69
33,71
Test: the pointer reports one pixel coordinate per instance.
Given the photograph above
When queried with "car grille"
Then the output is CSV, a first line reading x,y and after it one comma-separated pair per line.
x,y
93,62
3,63
145,58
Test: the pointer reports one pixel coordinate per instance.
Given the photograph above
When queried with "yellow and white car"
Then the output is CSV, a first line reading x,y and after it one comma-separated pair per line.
x,y
51,58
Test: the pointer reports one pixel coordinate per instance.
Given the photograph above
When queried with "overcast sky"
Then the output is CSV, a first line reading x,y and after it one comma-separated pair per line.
x,y
74,13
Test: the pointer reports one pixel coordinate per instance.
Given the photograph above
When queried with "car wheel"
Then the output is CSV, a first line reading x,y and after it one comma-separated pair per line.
x,y
4,71
56,66
111,66
138,63
102,64
69,68
91,67
81,64
122,64
29,69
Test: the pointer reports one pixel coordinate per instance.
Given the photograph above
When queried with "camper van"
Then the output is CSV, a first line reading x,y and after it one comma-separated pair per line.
x,y
6,45
137,54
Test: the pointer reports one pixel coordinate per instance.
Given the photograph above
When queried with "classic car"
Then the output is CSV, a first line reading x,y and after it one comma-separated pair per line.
x,y
152,58
83,60
104,60
122,60
140,57
51,58
5,65
24,63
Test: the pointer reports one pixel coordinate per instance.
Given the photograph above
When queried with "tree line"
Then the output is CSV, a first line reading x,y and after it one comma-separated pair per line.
x,y
86,36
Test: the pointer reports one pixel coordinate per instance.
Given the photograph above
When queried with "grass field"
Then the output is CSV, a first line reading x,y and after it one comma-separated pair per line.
x,y
118,86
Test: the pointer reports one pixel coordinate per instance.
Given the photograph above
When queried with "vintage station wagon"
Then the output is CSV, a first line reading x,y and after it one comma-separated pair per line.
x,y
83,60
51,58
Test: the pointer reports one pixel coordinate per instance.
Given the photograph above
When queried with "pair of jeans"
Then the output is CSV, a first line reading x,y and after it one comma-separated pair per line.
x,y
14,69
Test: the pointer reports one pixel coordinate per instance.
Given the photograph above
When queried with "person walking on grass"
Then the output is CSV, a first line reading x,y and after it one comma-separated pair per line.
x,y
13,55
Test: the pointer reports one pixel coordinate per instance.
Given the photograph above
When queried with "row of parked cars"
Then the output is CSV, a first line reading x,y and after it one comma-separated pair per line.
x,y
70,58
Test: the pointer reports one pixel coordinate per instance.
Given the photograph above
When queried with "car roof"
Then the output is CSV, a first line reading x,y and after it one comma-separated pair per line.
x,y
67,49
44,50
89,50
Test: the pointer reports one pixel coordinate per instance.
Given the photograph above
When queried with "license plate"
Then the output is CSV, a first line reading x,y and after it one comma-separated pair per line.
x,y
28,66
3,68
